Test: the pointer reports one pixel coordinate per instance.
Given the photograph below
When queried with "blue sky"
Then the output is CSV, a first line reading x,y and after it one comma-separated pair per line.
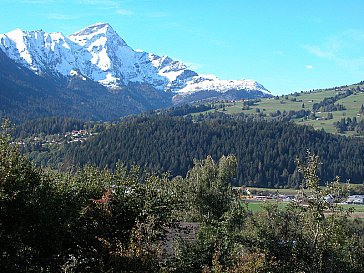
x,y
286,45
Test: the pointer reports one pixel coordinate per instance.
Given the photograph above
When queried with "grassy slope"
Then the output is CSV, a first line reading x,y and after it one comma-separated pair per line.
x,y
306,99
352,104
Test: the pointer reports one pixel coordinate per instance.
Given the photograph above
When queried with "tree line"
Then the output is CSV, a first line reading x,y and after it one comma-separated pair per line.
x,y
265,150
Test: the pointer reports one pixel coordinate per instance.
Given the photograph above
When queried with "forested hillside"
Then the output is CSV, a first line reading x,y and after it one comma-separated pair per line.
x,y
47,126
265,150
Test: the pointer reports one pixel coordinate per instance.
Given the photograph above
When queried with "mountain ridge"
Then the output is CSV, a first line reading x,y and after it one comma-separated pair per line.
x,y
100,54
93,74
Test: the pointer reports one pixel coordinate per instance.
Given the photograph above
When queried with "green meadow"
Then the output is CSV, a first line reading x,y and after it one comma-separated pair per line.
x,y
304,100
257,206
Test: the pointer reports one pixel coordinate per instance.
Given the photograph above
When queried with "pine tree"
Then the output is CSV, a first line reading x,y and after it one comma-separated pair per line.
x,y
361,111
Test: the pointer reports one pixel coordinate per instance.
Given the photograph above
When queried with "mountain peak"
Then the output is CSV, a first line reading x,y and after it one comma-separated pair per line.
x,y
94,32
93,29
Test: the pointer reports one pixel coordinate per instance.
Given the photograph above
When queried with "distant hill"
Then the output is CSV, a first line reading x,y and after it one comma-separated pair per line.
x,y
336,110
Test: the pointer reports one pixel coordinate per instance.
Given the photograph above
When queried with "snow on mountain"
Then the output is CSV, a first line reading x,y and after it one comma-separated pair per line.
x,y
100,54
211,82
38,50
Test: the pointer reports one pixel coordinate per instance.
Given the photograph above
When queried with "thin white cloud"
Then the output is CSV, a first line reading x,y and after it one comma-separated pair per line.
x,y
37,2
102,3
320,52
59,16
309,67
110,5
158,14
344,49
124,12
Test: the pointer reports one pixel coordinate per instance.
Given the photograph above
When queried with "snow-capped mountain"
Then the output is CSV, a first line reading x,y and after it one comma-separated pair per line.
x,y
98,53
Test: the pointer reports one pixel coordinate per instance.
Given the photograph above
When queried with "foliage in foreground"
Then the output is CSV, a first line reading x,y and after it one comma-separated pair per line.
x,y
96,220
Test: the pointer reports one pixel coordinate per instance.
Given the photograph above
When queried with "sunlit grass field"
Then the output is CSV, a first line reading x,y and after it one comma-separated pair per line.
x,y
303,100
258,206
